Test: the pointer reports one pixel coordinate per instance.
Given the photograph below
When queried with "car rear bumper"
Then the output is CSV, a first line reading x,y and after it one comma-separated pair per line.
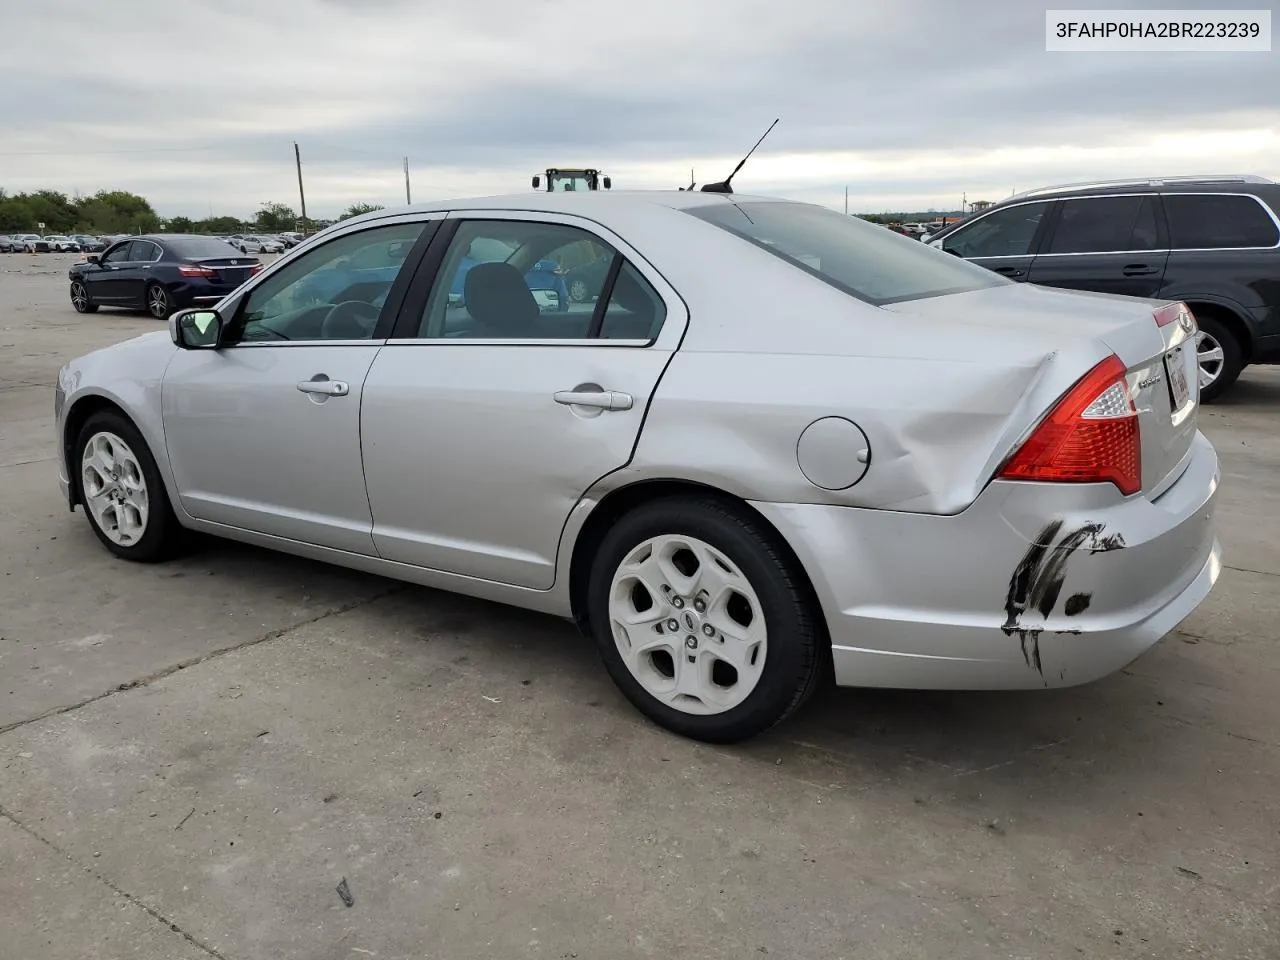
x,y
969,602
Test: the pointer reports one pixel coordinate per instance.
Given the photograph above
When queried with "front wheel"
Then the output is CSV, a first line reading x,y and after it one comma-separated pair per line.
x,y
703,619
122,492
81,300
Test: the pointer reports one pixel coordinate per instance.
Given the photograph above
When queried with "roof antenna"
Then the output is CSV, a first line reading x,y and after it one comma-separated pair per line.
x,y
723,185
691,185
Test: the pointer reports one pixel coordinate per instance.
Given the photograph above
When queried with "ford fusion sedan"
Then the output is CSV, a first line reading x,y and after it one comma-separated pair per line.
x,y
159,274
916,474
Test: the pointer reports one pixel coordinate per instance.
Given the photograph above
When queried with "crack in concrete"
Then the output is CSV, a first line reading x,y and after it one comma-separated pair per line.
x,y
1261,573
203,658
113,887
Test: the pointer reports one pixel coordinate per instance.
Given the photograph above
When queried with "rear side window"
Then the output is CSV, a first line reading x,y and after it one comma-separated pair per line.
x,y
1104,225
857,257
1218,221
1002,233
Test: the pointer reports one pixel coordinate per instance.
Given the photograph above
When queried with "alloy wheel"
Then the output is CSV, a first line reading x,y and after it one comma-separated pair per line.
x,y
115,488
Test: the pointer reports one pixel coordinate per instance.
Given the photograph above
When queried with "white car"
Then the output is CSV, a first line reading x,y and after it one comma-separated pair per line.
x,y
259,244
915,474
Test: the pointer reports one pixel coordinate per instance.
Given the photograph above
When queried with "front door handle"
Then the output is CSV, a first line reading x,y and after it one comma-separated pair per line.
x,y
327,388
600,399
1138,270
1010,271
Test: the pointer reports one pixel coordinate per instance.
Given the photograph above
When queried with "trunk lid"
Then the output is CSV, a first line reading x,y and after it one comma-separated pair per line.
x,y
231,271
1161,360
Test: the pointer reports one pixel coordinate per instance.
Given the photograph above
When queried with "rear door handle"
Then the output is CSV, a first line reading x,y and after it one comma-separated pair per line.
x,y
1138,270
328,388
600,399
1010,271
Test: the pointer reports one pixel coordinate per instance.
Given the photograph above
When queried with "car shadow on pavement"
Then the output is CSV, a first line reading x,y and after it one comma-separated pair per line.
x,y
1256,387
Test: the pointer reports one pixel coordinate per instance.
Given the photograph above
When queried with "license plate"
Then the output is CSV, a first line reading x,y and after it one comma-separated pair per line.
x,y
1176,370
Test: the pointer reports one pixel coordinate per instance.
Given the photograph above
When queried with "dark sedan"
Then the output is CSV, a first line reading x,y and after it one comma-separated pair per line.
x,y
584,282
159,274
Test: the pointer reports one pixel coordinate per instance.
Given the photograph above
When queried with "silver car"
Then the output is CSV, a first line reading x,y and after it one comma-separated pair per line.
x,y
258,244
897,468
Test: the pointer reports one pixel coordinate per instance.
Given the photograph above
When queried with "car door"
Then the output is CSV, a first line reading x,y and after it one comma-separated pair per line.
x,y
1004,240
132,277
264,432
1108,244
488,415
105,279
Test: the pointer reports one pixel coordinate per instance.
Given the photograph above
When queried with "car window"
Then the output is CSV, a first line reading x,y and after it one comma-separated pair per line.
x,y
635,311
1217,221
1105,224
199,248
143,251
1003,233
857,257
326,294
118,254
502,279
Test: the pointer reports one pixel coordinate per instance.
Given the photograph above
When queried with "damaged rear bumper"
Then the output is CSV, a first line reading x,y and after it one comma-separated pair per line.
x,y
1033,585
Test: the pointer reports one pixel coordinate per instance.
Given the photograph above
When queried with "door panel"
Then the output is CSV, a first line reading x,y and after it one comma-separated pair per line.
x,y
472,465
250,449
1112,244
106,283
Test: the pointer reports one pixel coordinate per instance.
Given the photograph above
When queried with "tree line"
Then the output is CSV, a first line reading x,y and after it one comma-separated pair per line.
x,y
119,211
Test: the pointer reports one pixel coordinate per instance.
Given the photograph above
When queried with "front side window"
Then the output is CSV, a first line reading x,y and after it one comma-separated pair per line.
x,y
333,292
119,253
506,279
1217,221
1105,225
857,257
1004,233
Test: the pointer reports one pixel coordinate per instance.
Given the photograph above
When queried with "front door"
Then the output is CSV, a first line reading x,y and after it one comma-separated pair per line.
x,y
106,281
1004,240
264,433
1110,244
492,411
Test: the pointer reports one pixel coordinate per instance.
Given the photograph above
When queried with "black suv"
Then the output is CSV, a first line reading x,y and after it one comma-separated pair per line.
x,y
1211,242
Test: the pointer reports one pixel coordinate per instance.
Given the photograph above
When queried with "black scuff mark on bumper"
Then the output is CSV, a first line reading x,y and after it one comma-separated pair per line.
x,y
1037,580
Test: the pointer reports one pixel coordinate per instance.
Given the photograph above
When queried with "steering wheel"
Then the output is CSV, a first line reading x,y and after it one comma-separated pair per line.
x,y
349,320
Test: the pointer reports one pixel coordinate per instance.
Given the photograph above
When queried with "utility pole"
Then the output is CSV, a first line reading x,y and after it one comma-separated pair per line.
x,y
846,201
302,196
407,198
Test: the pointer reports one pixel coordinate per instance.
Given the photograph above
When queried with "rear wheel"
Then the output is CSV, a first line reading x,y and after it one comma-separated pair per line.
x,y
1219,355
703,620
158,304
81,300
122,492
578,290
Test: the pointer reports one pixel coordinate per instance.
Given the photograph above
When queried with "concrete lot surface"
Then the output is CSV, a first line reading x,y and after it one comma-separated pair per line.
x,y
194,755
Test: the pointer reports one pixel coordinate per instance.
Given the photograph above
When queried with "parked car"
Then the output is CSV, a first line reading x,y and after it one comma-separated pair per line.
x,y
8,244
89,244
920,474
1211,242
259,244
159,274
31,243
584,282
61,244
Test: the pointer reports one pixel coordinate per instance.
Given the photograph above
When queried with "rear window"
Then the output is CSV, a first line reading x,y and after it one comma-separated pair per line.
x,y
1218,221
857,257
201,248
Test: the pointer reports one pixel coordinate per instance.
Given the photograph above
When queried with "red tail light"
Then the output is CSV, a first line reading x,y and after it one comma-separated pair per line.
x,y
257,269
187,270
1091,436
1168,314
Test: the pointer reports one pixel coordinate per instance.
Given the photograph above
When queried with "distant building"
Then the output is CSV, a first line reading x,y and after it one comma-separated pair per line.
x,y
979,205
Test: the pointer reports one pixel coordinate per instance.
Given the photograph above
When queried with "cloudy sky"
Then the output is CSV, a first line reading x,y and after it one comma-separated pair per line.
x,y
908,103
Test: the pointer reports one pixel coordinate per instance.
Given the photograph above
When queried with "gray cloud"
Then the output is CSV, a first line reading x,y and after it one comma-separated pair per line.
x,y
480,95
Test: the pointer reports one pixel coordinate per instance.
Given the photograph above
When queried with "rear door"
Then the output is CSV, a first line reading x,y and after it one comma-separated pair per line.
x,y
1108,244
1004,240
490,412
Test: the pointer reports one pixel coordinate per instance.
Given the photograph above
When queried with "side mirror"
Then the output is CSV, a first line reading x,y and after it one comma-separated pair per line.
x,y
196,329
94,258
608,183
537,183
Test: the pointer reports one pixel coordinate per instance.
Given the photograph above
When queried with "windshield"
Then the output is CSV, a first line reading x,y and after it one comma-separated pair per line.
x,y
570,182
860,258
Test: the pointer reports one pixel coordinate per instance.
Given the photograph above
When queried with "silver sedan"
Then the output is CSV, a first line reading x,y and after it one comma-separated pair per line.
x,y
777,444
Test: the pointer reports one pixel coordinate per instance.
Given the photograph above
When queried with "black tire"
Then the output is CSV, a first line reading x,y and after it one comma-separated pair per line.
x,y
796,639
244,249
162,536
1233,362
159,304
80,299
